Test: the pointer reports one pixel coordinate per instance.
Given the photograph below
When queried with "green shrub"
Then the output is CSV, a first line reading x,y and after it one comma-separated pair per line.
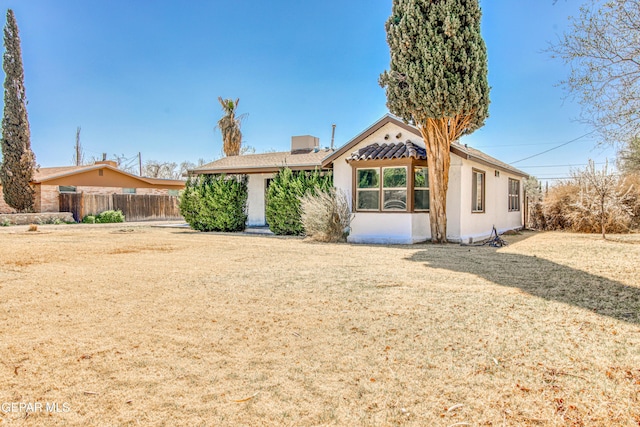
x,y
89,219
283,198
107,217
215,202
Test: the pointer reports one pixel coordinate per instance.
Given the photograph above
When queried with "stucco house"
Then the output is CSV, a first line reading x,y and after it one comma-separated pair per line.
x,y
383,172
100,178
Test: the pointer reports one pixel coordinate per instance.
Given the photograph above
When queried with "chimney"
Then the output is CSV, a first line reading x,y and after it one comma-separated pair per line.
x,y
333,134
304,144
107,162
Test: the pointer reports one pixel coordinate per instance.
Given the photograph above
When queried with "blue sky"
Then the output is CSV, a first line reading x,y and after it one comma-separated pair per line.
x,y
142,76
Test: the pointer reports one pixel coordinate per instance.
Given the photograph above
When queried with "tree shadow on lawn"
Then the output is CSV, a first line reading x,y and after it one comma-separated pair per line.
x,y
541,278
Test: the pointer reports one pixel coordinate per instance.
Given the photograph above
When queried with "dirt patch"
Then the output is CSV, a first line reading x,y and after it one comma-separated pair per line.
x,y
161,327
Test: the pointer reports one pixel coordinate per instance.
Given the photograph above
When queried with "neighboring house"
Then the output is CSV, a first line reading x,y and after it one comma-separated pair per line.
x,y
99,178
383,172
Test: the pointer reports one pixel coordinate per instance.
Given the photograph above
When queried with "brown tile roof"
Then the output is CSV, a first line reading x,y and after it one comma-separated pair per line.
x,y
249,163
396,150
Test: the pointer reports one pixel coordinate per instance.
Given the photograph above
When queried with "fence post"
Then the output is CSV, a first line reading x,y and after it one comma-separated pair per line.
x,y
81,210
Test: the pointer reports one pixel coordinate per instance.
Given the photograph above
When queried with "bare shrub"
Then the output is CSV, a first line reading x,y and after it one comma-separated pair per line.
x,y
557,206
593,201
325,215
601,202
632,200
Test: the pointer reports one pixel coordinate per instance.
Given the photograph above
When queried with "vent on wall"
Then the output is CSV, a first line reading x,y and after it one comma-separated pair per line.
x,y
100,172
497,173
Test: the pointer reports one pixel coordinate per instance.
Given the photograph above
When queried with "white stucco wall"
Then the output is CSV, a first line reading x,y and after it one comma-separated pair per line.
x,y
478,226
385,227
462,224
256,199
381,227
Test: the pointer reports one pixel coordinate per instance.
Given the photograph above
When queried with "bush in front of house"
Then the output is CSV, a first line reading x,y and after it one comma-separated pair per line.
x,y
325,215
107,217
283,198
89,219
215,202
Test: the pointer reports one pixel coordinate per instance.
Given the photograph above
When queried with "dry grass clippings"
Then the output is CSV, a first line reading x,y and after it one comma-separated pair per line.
x,y
181,328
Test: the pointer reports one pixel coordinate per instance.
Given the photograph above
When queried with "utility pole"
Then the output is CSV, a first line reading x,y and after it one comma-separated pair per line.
x,y
140,161
79,156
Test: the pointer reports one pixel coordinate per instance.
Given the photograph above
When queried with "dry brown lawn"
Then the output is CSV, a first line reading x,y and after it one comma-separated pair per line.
x,y
168,327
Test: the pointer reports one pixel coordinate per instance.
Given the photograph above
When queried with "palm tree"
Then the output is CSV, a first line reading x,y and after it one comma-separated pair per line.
x,y
229,125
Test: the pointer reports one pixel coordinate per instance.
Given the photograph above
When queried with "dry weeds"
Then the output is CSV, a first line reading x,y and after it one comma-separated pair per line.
x,y
170,327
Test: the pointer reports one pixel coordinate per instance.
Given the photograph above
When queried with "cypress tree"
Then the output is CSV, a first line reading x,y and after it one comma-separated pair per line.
x,y
437,81
18,161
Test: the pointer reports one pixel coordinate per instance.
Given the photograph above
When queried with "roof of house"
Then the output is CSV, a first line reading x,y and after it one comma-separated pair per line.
x,y
47,174
386,151
456,148
266,162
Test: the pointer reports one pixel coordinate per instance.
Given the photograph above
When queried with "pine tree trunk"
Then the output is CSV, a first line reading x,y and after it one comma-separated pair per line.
x,y
436,138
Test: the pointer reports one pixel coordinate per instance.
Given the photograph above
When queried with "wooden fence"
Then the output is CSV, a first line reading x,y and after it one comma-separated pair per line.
x,y
135,207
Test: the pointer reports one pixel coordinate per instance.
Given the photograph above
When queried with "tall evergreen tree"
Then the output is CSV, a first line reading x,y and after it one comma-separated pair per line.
x,y
437,81
18,161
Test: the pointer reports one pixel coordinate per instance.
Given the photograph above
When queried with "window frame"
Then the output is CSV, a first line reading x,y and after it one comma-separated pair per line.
x,y
383,189
124,190
372,189
427,188
66,191
474,190
408,163
515,197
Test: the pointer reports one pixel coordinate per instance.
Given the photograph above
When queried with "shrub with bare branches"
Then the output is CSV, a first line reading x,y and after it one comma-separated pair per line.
x,y
325,215
593,201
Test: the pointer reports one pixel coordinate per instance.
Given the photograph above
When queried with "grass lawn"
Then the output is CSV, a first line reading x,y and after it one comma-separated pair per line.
x,y
166,327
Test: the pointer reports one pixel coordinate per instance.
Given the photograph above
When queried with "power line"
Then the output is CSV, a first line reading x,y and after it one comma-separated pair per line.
x,y
554,148
560,166
484,146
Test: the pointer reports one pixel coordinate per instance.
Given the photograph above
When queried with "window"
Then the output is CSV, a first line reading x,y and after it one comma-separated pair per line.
x,y
394,189
67,189
477,191
368,189
128,191
421,188
514,195
174,192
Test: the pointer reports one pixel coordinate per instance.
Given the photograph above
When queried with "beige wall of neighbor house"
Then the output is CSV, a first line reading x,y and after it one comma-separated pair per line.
x,y
4,207
47,197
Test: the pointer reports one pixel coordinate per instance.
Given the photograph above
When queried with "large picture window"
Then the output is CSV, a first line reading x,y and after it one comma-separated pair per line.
x,y
514,195
368,189
394,188
421,188
477,191
391,188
